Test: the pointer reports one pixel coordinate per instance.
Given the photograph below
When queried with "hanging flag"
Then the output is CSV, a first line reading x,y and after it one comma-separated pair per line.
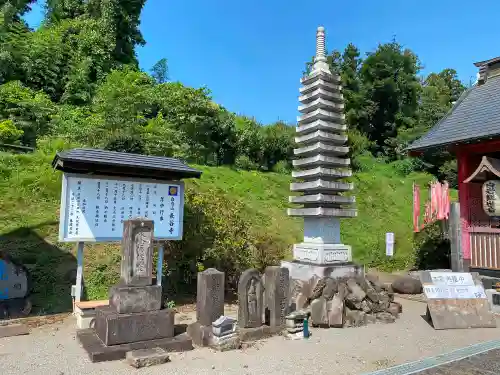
x,y
446,200
436,208
416,208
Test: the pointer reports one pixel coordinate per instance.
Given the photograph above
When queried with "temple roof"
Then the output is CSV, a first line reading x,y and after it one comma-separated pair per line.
x,y
474,117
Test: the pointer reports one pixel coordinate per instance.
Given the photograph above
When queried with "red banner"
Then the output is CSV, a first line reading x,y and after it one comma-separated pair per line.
x,y
436,208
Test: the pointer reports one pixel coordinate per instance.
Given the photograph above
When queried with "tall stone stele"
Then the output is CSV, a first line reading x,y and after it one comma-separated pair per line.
x,y
321,164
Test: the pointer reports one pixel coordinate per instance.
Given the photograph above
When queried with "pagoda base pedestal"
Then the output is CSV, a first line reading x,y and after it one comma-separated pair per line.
x,y
322,253
305,275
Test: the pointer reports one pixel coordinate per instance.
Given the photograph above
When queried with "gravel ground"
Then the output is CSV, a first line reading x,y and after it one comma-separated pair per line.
x,y
53,350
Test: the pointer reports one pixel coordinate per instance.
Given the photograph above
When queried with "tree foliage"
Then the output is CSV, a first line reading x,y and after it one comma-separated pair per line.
x,y
77,77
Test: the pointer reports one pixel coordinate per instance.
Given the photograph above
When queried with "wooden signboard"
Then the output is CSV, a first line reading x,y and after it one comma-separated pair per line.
x,y
456,300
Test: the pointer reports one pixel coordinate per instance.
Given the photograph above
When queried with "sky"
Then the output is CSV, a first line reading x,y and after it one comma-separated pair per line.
x,y
251,54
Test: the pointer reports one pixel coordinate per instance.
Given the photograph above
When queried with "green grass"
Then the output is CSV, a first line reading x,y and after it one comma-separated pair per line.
x,y
29,209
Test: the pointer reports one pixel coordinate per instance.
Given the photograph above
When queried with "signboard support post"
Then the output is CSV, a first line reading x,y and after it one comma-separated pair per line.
x,y
455,236
159,265
79,271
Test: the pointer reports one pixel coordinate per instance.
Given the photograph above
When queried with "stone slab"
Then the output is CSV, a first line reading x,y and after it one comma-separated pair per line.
x,y
113,328
147,357
277,288
137,252
209,296
321,253
458,312
98,352
135,299
9,330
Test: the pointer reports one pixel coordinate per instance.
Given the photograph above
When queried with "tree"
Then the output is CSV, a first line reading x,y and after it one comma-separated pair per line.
x,y
58,10
391,92
159,71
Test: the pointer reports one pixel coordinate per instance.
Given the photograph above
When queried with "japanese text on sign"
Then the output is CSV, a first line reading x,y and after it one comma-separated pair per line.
x,y
94,209
490,198
452,278
454,292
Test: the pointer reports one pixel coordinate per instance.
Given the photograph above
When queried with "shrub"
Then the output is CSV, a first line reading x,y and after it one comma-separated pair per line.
x,y
244,162
282,167
9,133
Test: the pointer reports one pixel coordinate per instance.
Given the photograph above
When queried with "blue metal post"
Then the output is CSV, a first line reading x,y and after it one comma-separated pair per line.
x,y
159,265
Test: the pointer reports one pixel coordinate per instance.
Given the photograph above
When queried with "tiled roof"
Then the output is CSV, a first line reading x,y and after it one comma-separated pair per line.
x,y
475,116
86,160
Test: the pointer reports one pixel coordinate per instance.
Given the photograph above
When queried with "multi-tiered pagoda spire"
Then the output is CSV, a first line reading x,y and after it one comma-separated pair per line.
x,y
321,163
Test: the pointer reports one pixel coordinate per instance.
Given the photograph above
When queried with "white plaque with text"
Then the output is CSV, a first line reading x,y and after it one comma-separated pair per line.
x,y
454,292
452,278
93,208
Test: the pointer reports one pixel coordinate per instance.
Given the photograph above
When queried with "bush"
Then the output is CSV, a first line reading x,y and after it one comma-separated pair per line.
x,y
406,166
216,234
243,162
9,133
282,167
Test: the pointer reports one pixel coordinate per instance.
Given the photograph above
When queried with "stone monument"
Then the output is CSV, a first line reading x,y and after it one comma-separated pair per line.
x,y
321,164
134,318
251,299
209,306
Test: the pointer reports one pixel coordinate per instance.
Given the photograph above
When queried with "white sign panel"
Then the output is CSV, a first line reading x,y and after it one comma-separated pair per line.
x,y
454,292
452,279
389,244
93,209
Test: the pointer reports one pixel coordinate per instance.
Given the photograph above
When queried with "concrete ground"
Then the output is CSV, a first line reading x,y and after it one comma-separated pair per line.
x,y
53,349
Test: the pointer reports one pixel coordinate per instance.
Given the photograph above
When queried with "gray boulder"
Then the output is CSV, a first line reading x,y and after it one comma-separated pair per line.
x,y
407,285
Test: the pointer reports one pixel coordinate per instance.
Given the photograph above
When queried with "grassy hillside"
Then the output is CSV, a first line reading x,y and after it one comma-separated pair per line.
x,y
227,210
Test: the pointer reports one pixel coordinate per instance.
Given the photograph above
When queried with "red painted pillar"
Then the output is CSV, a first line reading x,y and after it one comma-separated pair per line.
x,y
463,197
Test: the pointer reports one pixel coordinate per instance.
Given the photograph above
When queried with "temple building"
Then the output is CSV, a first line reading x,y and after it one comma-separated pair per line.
x,y
471,130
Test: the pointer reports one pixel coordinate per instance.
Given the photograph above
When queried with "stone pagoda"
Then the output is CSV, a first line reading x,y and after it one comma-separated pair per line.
x,y
320,166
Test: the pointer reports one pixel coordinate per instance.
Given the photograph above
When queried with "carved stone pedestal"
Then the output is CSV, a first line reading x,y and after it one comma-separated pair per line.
x,y
134,319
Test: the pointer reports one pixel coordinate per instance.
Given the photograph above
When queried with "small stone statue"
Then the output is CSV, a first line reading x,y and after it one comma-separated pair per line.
x,y
252,298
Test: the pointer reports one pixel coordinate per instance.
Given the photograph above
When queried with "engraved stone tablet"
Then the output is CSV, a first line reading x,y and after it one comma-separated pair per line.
x,y
137,252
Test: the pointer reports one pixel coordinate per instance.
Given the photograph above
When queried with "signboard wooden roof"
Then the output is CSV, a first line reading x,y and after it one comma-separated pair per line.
x,y
122,164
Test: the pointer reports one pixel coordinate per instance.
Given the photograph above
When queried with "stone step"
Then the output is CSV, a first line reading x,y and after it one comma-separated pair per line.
x,y
321,161
323,104
321,186
320,83
322,172
321,148
323,212
332,127
320,74
321,93
320,114
321,199
321,135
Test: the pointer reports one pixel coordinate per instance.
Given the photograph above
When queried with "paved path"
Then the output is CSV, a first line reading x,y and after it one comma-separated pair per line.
x,y
53,350
487,363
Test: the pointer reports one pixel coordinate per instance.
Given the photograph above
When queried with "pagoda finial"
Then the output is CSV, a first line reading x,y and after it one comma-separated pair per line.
x,y
320,58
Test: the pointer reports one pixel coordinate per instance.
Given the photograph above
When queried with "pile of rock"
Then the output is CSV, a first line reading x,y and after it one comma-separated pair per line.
x,y
352,302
